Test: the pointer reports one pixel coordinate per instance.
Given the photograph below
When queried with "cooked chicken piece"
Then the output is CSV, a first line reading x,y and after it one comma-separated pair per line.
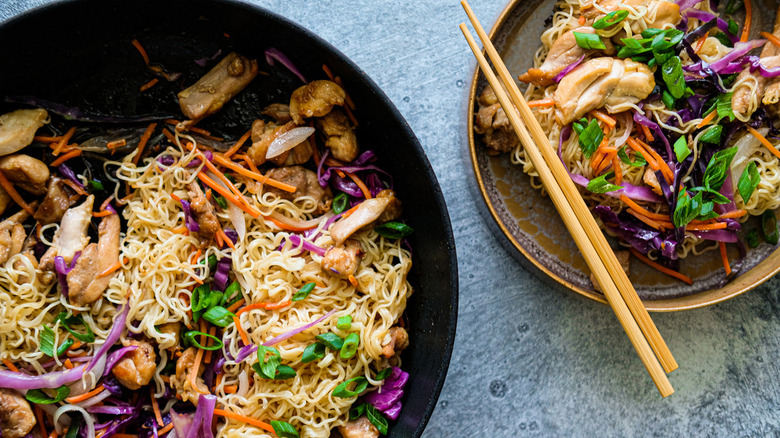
x,y
26,172
315,99
340,136
651,180
17,129
215,88
624,257
12,235
751,85
772,93
491,120
137,367
85,285
343,260
297,155
5,200
181,381
359,428
306,184
564,52
398,342
16,415
394,207
170,329
364,216
614,83
263,134
54,205
660,14
71,236
203,212
280,112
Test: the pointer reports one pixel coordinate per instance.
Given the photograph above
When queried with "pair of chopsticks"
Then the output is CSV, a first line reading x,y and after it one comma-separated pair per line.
x,y
589,238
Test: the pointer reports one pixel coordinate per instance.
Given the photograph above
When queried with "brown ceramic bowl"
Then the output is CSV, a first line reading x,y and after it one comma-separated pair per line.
x,y
529,226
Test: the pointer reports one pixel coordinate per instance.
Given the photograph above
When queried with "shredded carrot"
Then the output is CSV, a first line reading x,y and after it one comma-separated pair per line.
x,y
328,72
63,141
581,20
595,159
169,136
266,306
725,257
200,131
618,170
126,435
700,43
667,172
198,357
103,213
733,214
353,280
253,174
236,305
222,178
610,121
773,39
212,332
705,227
279,305
8,364
141,50
142,143
228,241
9,187
197,256
165,429
605,163
252,211
708,119
286,226
39,417
230,389
349,212
54,434
156,407
657,216
85,396
360,184
111,269
764,141
116,144
241,331
68,364
648,134
220,242
638,148
76,188
541,103
181,230
148,85
651,222
233,149
748,21
75,346
248,420
663,269
220,377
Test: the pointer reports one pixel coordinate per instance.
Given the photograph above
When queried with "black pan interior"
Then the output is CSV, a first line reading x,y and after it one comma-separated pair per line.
x,y
79,53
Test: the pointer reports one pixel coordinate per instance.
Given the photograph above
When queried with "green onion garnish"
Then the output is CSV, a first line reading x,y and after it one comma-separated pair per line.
x,y
356,411
748,181
350,346
313,352
769,227
95,186
752,238
303,292
601,185
382,375
611,19
344,322
39,397
46,341
191,337
681,148
712,135
589,40
68,321
376,418
331,340
342,391
219,316
394,230
590,136
340,203
283,429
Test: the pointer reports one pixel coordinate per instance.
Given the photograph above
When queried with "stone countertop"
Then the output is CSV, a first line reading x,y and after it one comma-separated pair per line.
x,y
531,360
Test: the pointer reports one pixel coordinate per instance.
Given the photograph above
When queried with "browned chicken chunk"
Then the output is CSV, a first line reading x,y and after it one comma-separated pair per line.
x,y
340,137
26,172
54,205
280,112
12,235
16,416
219,85
564,52
315,99
181,381
137,367
368,213
71,236
651,180
491,120
393,209
624,257
17,128
171,329
5,200
85,283
359,428
203,212
602,82
399,340
306,184
343,260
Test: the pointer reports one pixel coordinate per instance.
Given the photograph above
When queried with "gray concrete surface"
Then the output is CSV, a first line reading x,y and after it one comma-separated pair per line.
x,y
531,360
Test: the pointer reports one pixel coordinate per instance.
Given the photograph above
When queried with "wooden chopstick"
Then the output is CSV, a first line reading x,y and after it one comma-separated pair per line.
x,y
584,230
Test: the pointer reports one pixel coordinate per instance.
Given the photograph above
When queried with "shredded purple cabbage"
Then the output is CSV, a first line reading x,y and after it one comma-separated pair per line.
x,y
202,62
115,357
166,160
189,221
568,69
201,422
388,397
221,274
272,54
68,173
231,234
297,241
63,270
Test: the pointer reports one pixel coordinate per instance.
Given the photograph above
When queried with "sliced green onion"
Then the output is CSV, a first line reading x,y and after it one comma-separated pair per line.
x,y
68,321
376,418
212,262
723,106
75,425
639,160
712,135
667,99
752,238
219,316
601,185
748,181
394,230
283,429
673,76
192,338
769,227
229,292
313,352
200,297
284,372
356,411
350,346
611,19
344,322
589,40
340,203
590,136
681,148
303,292
220,201
343,391
46,341
266,367
718,167
382,375
39,397
331,340
95,186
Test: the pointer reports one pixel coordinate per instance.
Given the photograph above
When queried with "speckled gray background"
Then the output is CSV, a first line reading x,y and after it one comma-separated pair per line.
x,y
531,360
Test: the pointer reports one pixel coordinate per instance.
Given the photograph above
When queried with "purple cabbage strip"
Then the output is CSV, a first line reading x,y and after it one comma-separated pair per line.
x,y
755,64
245,352
189,221
321,177
687,4
114,357
166,160
182,423
221,274
294,332
112,385
68,173
231,234
272,54
202,62
63,270
297,241
707,17
740,50
201,422
14,380
568,69
388,397
113,336
347,186
728,236
113,410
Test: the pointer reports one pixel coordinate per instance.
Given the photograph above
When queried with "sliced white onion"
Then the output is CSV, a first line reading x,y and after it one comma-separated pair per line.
x,y
87,419
236,216
96,399
288,140
620,141
243,384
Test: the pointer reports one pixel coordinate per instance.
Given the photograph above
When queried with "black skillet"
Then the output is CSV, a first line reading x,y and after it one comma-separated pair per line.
x,y
78,53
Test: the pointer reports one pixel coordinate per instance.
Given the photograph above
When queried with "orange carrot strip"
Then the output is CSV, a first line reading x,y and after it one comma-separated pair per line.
x,y
349,212
228,195
241,331
141,50
165,429
648,134
328,72
748,21
360,184
657,216
201,131
353,280
156,408
605,163
763,140
47,139
638,148
705,227
772,39
725,257
111,269
230,389
54,434
648,221
265,306
171,138
235,306
63,141
286,226
706,120
148,85
341,173
610,121
233,149
658,267
142,142
39,417
212,332
8,364
116,143
595,159
85,396
581,20
198,357
700,43
248,420
220,242
253,174
76,188
103,213
226,239
9,187
181,230
733,214
665,170
223,178
68,364
279,305
618,170
541,103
